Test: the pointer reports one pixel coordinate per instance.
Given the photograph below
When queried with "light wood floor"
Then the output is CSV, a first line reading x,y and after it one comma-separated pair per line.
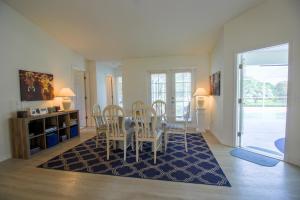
x,y
20,179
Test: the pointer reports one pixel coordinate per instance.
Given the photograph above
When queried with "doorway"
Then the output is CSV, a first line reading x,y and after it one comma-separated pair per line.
x,y
80,99
173,87
262,100
109,86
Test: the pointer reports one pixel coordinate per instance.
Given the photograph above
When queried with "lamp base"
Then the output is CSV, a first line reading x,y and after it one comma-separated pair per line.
x,y
200,102
200,117
66,104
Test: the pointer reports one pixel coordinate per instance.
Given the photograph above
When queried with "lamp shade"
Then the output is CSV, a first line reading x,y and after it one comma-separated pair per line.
x,y
66,92
200,92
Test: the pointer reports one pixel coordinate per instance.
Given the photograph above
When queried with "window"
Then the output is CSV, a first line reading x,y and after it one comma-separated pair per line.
x,y
158,87
183,86
119,91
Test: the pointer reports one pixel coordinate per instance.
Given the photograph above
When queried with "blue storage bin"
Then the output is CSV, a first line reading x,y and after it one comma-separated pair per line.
x,y
74,131
52,139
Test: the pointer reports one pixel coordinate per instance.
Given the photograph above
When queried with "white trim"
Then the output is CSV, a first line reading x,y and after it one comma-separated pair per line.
x,y
289,92
5,157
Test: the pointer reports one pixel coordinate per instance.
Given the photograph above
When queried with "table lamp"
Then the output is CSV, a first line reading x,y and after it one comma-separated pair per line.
x,y
200,94
66,93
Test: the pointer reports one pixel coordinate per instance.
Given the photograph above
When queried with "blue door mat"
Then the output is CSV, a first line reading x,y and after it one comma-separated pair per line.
x,y
265,150
254,157
280,144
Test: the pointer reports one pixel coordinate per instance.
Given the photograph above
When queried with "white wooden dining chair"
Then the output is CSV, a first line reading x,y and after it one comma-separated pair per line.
x,y
114,118
100,125
178,128
146,129
136,106
160,109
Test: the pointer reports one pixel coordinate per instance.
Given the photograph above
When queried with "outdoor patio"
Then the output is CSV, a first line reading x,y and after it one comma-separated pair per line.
x,y
262,127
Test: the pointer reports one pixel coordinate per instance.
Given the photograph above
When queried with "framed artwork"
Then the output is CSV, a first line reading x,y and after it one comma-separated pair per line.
x,y
215,84
36,86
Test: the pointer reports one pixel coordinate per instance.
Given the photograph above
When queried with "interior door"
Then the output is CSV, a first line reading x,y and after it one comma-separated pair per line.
x,y
175,88
80,98
109,90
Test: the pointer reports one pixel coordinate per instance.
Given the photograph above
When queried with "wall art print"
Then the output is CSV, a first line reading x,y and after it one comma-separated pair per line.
x,y
36,86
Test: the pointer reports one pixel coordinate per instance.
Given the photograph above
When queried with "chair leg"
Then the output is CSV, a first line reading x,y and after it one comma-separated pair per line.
x,y
154,145
166,141
137,151
107,149
185,143
125,149
141,146
132,143
97,140
115,145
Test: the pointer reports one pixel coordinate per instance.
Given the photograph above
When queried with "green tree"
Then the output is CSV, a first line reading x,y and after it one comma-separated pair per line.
x,y
252,89
281,89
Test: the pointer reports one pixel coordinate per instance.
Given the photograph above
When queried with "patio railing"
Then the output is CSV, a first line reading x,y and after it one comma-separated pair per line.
x,y
265,101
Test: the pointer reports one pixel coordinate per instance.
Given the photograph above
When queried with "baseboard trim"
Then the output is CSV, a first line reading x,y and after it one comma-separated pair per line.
x,y
5,157
218,139
291,161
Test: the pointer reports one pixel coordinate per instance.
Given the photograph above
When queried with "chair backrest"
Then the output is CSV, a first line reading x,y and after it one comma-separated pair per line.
x,y
114,118
137,105
97,115
145,119
160,109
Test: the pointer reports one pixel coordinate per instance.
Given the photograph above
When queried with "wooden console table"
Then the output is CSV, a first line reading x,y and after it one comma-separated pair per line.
x,y
33,134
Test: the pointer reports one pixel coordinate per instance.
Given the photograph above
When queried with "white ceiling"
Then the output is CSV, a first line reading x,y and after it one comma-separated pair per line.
x,y
115,29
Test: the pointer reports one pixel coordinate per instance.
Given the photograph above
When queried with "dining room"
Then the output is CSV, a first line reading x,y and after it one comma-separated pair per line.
x,y
154,135
138,99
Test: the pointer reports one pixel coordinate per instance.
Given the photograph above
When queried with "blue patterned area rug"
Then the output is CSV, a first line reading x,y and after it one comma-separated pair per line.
x,y
198,165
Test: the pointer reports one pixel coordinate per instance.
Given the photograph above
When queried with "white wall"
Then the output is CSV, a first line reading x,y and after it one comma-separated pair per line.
x,y
216,102
135,74
272,23
25,46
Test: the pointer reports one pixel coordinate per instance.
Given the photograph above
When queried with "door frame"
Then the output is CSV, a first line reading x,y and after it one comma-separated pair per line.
x,y
110,89
239,99
86,92
236,117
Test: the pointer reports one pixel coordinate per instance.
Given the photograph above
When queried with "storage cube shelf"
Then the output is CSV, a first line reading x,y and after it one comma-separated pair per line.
x,y
34,134
52,139
74,131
